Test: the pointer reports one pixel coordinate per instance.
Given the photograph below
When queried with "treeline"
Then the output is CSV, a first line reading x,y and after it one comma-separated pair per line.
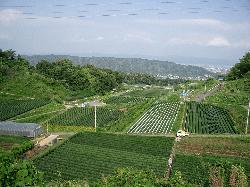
x,y
10,63
130,65
86,79
241,69
75,77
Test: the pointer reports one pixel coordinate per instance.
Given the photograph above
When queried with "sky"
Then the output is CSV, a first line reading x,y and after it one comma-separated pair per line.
x,y
154,29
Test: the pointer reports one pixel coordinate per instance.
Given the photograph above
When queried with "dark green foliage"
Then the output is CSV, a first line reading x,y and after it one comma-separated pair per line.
x,y
195,169
11,108
92,155
240,69
130,177
15,172
129,65
10,64
85,117
176,180
208,119
74,77
19,150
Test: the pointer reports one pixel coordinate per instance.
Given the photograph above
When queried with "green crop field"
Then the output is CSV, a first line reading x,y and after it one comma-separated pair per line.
x,y
158,119
11,108
194,156
195,169
151,92
123,99
92,155
85,117
206,118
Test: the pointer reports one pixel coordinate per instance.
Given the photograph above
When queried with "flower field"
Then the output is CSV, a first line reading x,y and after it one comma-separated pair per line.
x,y
11,108
93,155
158,119
205,118
85,117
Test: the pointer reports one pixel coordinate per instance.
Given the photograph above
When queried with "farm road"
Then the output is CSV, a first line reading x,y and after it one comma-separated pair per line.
x,y
200,97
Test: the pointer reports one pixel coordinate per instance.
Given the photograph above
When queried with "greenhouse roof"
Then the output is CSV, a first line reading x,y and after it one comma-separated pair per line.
x,y
18,126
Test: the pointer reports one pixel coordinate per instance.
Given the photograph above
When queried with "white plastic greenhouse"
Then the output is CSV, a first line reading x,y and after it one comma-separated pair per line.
x,y
21,129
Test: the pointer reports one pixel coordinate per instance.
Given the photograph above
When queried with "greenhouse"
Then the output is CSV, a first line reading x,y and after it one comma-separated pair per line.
x,y
21,129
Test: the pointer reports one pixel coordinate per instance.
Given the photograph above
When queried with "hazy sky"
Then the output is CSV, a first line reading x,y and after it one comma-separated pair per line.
x,y
146,28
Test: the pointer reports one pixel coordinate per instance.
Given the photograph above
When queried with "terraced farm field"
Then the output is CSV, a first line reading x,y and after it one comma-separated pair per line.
x,y
158,119
151,92
205,118
11,108
194,156
85,117
91,155
124,99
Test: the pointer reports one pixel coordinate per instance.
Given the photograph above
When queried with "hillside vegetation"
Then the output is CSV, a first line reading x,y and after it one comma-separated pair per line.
x,y
235,93
129,65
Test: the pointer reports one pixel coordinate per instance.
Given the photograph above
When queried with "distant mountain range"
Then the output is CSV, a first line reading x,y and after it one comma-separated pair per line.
x,y
139,65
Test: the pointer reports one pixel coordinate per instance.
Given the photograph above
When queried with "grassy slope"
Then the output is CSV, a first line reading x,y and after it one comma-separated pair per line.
x,y
234,96
195,154
26,84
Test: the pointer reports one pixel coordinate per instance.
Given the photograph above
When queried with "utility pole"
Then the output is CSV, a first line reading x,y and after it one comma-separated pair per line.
x,y
95,118
247,116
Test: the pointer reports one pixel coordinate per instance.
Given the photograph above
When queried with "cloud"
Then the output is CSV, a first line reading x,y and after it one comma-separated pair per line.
x,y
9,15
99,38
4,36
213,23
138,36
219,42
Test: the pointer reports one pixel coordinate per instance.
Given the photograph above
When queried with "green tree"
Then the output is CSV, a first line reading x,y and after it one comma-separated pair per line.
x,y
240,69
14,172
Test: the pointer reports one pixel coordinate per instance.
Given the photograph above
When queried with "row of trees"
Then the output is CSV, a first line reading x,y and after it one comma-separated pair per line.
x,y
88,78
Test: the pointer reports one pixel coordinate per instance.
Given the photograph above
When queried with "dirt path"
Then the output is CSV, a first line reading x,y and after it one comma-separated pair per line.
x,y
200,97
171,160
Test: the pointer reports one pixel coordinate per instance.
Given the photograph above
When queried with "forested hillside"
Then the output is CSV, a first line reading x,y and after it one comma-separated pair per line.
x,y
18,79
130,65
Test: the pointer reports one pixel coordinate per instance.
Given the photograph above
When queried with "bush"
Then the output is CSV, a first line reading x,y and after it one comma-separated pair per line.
x,y
131,177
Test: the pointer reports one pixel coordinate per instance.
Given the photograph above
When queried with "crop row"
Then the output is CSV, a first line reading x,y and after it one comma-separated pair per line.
x,y
123,99
195,169
86,116
149,93
204,118
11,108
95,154
158,119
